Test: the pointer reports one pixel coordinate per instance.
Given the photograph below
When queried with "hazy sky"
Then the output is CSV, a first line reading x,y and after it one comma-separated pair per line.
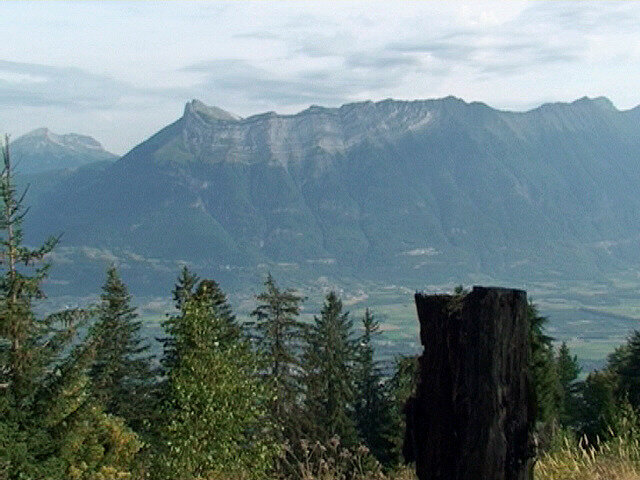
x,y
120,71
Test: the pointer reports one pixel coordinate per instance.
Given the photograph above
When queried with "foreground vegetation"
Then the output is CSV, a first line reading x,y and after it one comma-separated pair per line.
x,y
615,459
81,397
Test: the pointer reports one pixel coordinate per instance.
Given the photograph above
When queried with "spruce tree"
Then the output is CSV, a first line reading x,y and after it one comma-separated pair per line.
x,y
372,408
187,286
568,371
23,356
121,372
45,397
279,337
213,418
27,344
399,388
598,404
85,442
543,368
627,367
211,291
329,373
183,289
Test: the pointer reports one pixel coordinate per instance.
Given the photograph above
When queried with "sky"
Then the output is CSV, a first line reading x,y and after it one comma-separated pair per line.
x,y
120,71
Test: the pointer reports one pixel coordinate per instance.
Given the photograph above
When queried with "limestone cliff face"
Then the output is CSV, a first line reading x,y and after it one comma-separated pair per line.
x,y
390,189
213,135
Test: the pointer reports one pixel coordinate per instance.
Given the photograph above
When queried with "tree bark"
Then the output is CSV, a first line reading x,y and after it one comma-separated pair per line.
x,y
472,414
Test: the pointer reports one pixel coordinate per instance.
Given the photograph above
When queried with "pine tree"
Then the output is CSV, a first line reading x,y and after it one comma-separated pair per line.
x,y
211,291
599,404
183,289
279,337
214,410
85,442
372,408
617,359
568,371
22,354
121,372
188,286
627,368
44,394
543,368
399,388
328,361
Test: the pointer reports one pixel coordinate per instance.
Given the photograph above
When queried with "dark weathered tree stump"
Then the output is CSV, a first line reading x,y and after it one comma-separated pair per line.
x,y
472,414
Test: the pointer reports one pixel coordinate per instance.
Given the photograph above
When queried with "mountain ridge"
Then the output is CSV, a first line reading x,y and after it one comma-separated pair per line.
x,y
389,189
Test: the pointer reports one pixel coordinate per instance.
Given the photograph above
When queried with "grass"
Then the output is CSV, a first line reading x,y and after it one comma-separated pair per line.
x,y
615,459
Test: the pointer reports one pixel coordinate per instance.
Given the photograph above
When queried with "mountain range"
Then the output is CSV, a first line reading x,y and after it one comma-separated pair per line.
x,y
41,150
389,191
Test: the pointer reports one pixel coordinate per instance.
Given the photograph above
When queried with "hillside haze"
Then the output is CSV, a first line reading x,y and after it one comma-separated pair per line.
x,y
415,191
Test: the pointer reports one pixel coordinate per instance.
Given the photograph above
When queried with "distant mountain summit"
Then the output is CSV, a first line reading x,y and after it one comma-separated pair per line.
x,y
42,150
196,107
403,191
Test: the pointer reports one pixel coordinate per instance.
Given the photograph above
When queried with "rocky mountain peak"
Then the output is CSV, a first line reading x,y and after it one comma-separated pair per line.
x,y
38,132
599,102
583,103
387,189
41,137
42,150
206,112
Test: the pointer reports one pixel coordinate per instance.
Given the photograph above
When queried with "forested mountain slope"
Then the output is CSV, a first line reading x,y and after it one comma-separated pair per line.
x,y
391,190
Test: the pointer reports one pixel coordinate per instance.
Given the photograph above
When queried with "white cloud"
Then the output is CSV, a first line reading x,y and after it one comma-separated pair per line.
x,y
120,71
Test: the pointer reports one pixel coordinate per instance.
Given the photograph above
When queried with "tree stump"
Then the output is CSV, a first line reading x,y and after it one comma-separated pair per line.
x,y
472,414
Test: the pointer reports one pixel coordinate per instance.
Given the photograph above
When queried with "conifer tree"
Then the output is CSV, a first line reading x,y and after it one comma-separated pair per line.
x,y
279,338
183,289
85,442
543,368
121,372
329,373
22,355
568,371
372,408
627,366
599,404
45,401
214,411
211,291
605,395
399,388
620,356
188,286
27,344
